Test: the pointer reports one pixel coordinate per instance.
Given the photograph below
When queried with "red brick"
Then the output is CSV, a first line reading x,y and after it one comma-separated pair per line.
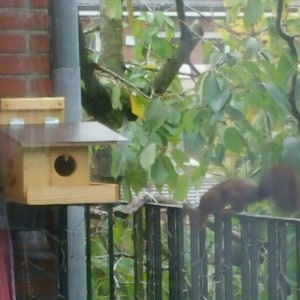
x,y
13,43
13,87
17,65
39,3
11,3
41,87
39,43
24,20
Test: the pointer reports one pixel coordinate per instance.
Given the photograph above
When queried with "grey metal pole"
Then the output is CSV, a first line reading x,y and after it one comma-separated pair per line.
x,y
65,57
66,82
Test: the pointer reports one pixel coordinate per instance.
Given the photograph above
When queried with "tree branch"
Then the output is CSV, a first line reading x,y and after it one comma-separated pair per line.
x,y
290,40
170,69
185,35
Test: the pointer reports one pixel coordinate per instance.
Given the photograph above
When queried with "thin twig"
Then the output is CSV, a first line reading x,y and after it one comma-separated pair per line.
x,y
120,78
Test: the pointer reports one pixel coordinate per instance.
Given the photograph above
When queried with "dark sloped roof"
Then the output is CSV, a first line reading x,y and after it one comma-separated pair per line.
x,y
63,134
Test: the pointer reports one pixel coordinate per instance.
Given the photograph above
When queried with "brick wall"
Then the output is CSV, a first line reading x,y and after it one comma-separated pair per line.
x,y
25,72
24,48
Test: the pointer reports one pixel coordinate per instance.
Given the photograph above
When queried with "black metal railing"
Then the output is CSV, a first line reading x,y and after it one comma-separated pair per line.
x,y
239,257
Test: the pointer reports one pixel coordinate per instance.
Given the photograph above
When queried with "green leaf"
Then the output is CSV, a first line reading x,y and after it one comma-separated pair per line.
x,y
161,47
159,172
253,12
173,113
115,97
169,21
233,140
159,17
182,188
285,68
117,161
147,156
207,49
139,133
213,94
252,47
199,172
239,118
277,94
218,103
215,57
138,178
172,174
291,153
210,88
126,188
113,9
193,141
155,114
179,157
219,154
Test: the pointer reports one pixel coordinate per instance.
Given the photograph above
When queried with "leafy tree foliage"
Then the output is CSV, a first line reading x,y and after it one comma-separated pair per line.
x,y
241,115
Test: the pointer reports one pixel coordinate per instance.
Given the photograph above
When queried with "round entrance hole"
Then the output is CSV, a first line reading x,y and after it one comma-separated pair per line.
x,y
64,165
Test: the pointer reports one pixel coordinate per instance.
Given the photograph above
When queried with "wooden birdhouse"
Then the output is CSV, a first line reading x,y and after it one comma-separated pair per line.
x,y
49,163
32,110
42,160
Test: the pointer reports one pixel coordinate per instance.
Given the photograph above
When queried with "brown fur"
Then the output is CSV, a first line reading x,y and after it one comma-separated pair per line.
x,y
281,183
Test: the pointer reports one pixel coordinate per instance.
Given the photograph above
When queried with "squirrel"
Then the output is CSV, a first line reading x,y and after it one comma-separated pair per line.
x,y
281,183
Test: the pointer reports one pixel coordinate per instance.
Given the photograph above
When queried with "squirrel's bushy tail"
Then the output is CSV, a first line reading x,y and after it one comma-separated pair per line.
x,y
282,183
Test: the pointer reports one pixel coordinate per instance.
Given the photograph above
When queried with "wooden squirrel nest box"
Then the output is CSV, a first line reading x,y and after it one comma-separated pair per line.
x,y
49,163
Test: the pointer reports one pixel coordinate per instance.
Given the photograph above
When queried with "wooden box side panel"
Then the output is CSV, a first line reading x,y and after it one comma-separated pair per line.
x,y
11,169
94,193
80,175
36,168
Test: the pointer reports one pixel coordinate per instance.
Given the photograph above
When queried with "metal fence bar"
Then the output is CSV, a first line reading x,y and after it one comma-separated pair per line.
x,y
195,288
88,252
218,258
182,291
203,265
154,268
173,262
150,253
284,288
297,229
228,259
245,267
254,258
157,253
111,262
198,256
138,239
63,252
272,261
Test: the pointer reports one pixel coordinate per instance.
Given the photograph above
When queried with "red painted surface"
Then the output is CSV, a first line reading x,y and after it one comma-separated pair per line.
x,y
6,267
